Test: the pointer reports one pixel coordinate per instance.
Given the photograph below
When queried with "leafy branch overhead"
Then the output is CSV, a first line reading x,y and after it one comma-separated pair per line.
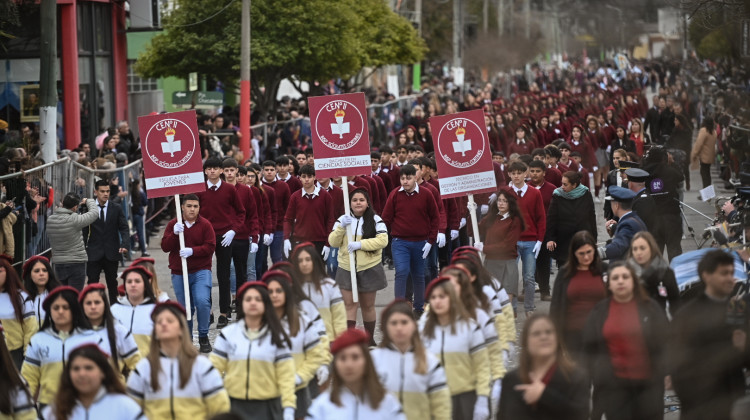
x,y
314,40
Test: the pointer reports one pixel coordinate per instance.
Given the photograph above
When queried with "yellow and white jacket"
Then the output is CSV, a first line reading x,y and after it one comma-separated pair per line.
x,y
46,357
463,355
422,396
494,349
505,321
17,334
352,408
127,349
254,369
36,305
330,304
371,253
105,406
202,397
310,311
136,320
23,407
308,351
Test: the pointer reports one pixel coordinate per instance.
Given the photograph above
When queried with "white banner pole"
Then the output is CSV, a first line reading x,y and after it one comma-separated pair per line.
x,y
185,281
474,223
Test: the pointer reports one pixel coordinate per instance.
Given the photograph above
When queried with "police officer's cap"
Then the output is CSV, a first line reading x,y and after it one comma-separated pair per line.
x,y
620,194
637,175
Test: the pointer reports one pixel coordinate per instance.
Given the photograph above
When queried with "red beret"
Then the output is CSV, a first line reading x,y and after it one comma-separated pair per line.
x,y
268,276
433,283
7,257
247,285
90,288
30,263
139,269
458,267
350,337
278,264
466,248
143,259
170,305
55,293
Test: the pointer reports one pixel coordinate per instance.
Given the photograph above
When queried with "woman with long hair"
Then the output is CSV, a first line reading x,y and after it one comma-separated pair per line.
x,y
369,239
134,309
38,280
625,350
621,141
500,230
639,137
148,264
571,210
450,334
546,384
322,290
253,355
704,149
308,351
578,287
656,276
578,142
406,369
91,389
356,391
16,313
174,381
15,399
64,328
116,341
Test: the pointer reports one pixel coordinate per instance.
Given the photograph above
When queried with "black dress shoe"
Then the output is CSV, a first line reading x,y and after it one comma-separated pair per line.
x,y
205,345
223,322
211,319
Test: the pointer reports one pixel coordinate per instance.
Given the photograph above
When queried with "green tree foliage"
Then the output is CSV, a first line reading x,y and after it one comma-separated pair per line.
x,y
313,40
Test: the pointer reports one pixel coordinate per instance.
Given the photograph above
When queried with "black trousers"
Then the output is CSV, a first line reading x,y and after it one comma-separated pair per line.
x,y
625,399
94,270
240,251
543,267
706,174
668,233
223,265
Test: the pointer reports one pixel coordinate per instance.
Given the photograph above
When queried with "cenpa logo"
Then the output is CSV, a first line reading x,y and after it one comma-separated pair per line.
x,y
170,143
339,125
461,143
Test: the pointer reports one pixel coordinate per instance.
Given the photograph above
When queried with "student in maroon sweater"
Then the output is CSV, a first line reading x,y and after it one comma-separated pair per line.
x,y
309,217
200,243
405,208
265,222
223,208
537,174
268,194
281,194
246,239
283,164
530,243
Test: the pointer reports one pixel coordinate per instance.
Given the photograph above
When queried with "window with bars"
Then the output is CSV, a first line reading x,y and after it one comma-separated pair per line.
x,y
138,84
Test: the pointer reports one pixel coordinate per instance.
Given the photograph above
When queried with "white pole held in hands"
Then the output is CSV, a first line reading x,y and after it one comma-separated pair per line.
x,y
349,239
474,223
185,282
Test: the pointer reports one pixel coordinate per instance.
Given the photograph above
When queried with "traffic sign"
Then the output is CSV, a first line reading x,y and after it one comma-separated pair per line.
x,y
171,153
200,99
341,141
462,154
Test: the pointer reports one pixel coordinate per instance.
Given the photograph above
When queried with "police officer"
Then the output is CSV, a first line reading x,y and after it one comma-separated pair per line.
x,y
643,204
623,230
663,185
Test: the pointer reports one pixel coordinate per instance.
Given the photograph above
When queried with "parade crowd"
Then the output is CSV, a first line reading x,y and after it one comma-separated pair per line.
x,y
617,335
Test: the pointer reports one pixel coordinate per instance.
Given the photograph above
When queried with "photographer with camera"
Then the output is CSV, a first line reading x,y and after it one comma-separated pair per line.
x,y
710,344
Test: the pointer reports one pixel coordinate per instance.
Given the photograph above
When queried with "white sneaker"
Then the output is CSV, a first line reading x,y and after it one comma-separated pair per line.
x,y
596,199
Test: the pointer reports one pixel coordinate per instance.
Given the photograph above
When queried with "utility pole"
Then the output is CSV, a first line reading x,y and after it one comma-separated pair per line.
x,y
500,17
48,80
485,15
416,77
457,32
511,18
527,17
245,81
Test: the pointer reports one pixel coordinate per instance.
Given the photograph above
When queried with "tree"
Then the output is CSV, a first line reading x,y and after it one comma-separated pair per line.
x,y
312,40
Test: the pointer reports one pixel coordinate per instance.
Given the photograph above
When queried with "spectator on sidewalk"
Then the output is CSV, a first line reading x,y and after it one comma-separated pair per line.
x,y
64,233
107,239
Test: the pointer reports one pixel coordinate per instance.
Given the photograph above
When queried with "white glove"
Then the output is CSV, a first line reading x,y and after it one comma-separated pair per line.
x,y
485,209
287,247
297,380
228,237
253,247
454,235
596,168
537,248
481,408
463,223
178,228
288,413
492,197
426,250
354,246
497,389
267,239
322,374
471,206
325,252
346,220
186,252
479,246
271,238
441,240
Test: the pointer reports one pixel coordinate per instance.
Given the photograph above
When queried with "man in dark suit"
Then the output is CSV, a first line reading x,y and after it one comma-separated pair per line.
x,y
623,230
651,125
106,240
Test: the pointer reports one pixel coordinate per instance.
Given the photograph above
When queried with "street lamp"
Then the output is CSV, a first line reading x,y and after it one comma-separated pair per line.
x,y
622,24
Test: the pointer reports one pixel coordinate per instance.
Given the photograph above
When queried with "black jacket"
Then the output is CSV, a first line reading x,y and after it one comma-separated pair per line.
x,y
565,218
706,368
564,398
651,125
645,207
656,273
105,238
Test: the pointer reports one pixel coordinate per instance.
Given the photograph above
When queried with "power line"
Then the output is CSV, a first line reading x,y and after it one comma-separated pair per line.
x,y
204,20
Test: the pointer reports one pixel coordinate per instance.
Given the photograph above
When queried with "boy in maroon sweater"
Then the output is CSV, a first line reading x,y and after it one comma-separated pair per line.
x,y
200,243
281,195
530,243
225,211
246,239
283,164
309,217
412,216
537,173
266,224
